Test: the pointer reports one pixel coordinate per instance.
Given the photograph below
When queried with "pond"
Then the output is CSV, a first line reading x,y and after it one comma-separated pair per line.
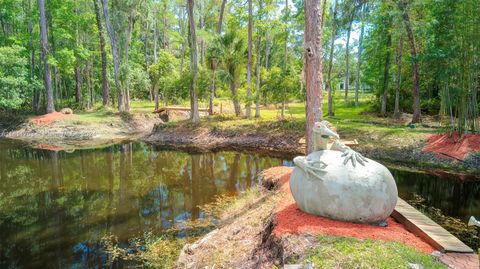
x,y
56,206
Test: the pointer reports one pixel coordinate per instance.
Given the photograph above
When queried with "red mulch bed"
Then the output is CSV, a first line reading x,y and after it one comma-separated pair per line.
x,y
290,220
450,145
49,118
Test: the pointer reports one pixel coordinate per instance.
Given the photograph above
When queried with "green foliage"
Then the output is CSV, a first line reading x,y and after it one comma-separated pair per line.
x,y
15,84
163,74
231,52
140,83
280,85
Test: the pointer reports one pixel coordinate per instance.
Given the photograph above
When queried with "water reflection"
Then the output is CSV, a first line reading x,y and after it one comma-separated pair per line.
x,y
453,196
55,206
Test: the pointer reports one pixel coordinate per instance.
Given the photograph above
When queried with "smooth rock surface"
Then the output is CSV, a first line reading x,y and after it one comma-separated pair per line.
x,y
360,194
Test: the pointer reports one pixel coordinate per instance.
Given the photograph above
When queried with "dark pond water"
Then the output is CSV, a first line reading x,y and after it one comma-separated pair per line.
x,y
55,206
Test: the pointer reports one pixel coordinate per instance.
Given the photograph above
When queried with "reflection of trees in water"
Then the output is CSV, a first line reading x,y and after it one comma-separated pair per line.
x,y
454,197
54,206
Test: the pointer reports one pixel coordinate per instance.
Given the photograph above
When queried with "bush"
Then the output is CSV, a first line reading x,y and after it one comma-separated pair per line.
x,y
430,106
15,83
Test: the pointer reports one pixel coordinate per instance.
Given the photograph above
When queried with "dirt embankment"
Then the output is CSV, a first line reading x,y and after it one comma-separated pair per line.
x,y
399,150
59,131
204,139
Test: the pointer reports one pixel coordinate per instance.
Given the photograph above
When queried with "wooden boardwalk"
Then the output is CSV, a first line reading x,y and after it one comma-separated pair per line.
x,y
178,108
428,230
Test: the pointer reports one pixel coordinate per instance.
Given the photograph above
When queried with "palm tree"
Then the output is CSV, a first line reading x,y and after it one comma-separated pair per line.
x,y
229,50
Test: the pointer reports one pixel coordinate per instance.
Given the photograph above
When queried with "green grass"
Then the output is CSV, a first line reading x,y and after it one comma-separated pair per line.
x,y
347,252
349,120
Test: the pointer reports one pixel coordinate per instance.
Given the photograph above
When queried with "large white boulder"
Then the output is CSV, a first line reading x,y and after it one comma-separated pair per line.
x,y
361,193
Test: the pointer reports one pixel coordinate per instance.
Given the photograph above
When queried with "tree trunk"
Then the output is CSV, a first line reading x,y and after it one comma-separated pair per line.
x,y
386,70
324,5
90,88
285,59
116,59
201,25
313,67
78,71
103,52
330,61
78,86
267,51
257,73
398,60
213,86
220,18
155,42
347,58
250,61
359,55
212,91
155,90
46,67
36,97
236,103
128,37
165,25
194,116
415,68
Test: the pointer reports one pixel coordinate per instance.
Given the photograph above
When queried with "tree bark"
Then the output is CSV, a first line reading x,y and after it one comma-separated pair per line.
x,y
386,72
116,59
330,61
324,5
155,93
220,18
398,60
347,57
285,60
313,69
128,37
46,67
236,103
103,52
36,94
78,86
257,72
165,25
194,115
402,5
250,61
155,42
267,51
359,55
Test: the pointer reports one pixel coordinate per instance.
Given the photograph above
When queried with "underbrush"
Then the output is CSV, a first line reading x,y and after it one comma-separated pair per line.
x,y
9,120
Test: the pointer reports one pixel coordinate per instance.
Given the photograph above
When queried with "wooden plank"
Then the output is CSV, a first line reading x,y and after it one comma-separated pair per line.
x,y
428,230
178,108
349,143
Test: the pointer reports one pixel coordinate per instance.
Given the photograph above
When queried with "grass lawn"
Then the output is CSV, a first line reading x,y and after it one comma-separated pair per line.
x,y
350,121
347,252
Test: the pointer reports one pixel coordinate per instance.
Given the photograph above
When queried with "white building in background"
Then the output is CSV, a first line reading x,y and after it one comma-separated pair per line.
x,y
364,88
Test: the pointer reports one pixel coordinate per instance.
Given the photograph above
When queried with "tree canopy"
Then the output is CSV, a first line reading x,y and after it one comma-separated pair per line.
x,y
417,56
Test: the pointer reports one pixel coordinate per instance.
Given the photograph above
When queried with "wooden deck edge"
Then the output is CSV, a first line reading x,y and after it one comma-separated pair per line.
x,y
403,211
